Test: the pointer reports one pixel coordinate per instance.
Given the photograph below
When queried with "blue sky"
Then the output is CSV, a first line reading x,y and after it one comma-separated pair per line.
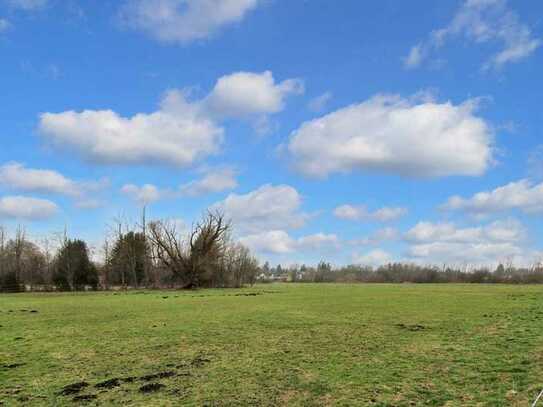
x,y
348,131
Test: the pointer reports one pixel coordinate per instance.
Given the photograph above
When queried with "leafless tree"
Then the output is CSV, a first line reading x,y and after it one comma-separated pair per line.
x,y
195,260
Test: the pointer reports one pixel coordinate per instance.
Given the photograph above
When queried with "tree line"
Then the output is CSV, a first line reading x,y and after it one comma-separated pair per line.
x,y
154,255
160,255
402,273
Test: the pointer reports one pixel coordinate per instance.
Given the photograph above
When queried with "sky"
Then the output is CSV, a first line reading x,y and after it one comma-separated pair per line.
x,y
346,131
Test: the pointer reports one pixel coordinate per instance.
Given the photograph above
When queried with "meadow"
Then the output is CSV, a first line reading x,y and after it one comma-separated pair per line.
x,y
275,345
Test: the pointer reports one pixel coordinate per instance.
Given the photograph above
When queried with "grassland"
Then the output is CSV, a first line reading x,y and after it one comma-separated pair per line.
x,y
295,345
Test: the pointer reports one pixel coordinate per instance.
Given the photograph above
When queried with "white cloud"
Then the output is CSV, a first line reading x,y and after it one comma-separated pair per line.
x,y
243,94
24,208
318,241
280,242
361,213
176,134
377,257
445,243
213,181
319,103
482,21
266,208
27,5
394,135
183,21
145,194
521,195
387,234
17,176
415,57
273,241
180,132
504,231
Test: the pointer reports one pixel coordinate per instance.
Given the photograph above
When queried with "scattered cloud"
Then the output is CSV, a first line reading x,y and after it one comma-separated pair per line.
x,y
319,103
176,134
521,195
374,258
387,234
144,195
481,21
213,181
415,56
395,135
445,243
181,132
361,213
17,176
266,208
244,94
184,21
280,242
273,241
24,208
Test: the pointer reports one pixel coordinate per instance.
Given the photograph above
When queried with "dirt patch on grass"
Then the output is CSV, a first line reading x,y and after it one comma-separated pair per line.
x,y
151,387
109,384
247,294
160,375
199,361
73,388
412,328
12,365
84,397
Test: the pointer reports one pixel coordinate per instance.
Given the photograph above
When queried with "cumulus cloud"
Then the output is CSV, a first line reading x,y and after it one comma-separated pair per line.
x,y
244,94
19,177
395,135
361,213
387,234
27,5
176,134
184,21
480,245
521,195
481,21
375,258
273,241
213,181
266,208
180,132
280,242
145,194
25,208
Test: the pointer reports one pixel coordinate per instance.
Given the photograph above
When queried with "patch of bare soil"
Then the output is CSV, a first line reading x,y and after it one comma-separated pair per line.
x,y
73,388
412,328
108,384
160,375
12,365
151,387
84,397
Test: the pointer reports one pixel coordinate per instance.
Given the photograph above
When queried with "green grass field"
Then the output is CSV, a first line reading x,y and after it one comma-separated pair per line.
x,y
292,345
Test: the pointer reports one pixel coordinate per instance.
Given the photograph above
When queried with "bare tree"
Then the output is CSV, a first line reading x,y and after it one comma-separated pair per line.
x,y
196,260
